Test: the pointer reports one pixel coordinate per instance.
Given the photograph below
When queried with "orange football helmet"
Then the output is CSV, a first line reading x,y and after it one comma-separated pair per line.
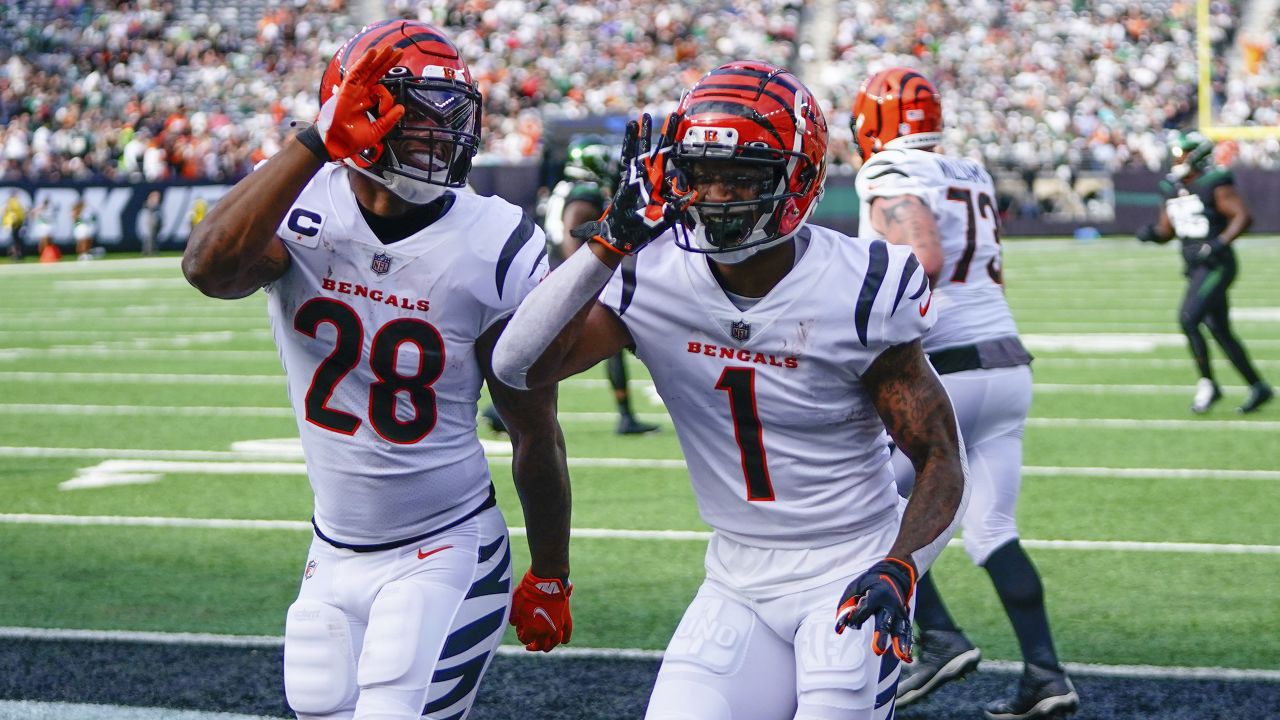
x,y
896,108
751,115
440,132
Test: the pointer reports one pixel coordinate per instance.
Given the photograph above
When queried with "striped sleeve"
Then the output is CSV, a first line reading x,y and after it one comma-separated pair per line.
x,y
894,304
521,264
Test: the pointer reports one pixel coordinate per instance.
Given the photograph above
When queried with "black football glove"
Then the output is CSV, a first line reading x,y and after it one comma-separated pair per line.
x,y
650,197
1208,253
1147,233
882,591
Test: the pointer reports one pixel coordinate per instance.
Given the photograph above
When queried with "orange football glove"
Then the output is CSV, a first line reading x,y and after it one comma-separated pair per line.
x,y
882,593
540,612
345,126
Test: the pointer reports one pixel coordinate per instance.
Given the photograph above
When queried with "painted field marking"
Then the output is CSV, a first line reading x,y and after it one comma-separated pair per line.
x,y
613,533
38,710
273,641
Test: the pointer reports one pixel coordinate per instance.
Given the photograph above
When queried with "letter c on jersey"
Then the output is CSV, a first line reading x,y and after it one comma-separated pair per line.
x,y
305,222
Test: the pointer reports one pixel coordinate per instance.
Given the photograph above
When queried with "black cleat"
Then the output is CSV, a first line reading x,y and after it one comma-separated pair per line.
x,y
491,416
1207,393
1259,394
1042,693
629,425
943,656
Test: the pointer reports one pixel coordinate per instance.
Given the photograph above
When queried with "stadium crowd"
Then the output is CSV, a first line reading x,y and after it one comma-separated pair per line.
x,y
178,89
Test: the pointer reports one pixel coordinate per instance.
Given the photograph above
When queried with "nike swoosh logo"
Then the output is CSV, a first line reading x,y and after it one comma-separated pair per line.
x,y
429,553
925,307
542,612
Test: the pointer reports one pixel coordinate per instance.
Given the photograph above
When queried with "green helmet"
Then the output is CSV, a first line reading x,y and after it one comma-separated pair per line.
x,y
591,159
1190,152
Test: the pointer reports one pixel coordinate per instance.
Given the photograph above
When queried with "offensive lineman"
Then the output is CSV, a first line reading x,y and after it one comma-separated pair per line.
x,y
1203,209
386,292
944,209
783,352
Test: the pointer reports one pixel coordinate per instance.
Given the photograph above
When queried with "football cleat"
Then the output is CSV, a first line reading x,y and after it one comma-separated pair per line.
x,y
944,656
1042,693
629,425
1259,394
1207,393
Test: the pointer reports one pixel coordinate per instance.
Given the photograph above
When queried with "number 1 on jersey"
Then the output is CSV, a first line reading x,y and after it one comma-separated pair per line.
x,y
740,383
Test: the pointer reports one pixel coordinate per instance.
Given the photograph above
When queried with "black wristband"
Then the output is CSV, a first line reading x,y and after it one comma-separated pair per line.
x,y
311,140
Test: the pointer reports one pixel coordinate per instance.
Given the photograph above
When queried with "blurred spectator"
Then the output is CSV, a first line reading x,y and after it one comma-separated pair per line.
x,y
41,219
14,222
152,90
83,228
149,222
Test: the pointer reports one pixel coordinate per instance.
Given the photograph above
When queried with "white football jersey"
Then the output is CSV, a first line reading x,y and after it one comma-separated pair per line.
x,y
378,344
970,296
783,444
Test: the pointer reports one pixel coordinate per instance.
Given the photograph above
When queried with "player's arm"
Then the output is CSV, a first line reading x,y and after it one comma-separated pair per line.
x,y
560,329
1161,231
918,415
235,250
907,220
539,468
1232,205
576,213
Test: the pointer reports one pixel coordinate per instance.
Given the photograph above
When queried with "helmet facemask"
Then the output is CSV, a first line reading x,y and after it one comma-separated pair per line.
x,y
735,230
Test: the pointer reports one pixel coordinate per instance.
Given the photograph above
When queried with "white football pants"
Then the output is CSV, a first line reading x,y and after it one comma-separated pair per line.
x,y
749,650
991,408
383,635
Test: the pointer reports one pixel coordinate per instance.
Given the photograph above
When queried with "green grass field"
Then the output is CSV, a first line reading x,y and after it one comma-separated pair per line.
x,y
120,370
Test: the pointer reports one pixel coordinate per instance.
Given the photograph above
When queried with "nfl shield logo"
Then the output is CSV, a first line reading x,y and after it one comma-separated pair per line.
x,y
381,263
740,330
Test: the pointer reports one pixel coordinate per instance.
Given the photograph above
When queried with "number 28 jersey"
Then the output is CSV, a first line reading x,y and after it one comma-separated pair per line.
x,y
962,198
783,445
378,346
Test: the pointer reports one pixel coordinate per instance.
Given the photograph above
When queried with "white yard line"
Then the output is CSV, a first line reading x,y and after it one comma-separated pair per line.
x,y
37,710
567,416
613,533
567,652
258,462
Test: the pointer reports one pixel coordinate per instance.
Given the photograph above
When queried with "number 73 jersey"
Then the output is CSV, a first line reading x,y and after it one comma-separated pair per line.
x,y
962,198
783,445
378,346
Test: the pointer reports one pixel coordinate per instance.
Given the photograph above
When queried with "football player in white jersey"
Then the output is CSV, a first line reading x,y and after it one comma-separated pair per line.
x,y
945,210
387,287
788,355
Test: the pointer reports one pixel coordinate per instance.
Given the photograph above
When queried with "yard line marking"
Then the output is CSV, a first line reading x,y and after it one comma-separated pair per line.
x,y
614,533
518,651
1116,342
136,348
1070,361
1122,389
566,416
142,460
142,378
42,710
1138,424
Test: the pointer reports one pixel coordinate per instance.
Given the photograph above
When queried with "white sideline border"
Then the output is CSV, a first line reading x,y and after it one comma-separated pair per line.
x,y
271,641
612,533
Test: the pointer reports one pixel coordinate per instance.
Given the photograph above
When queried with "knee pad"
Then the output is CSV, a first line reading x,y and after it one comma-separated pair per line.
x,y
681,699
319,660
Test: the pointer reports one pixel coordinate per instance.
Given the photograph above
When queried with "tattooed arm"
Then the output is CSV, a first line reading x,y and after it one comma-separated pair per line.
x,y
235,250
917,413
906,220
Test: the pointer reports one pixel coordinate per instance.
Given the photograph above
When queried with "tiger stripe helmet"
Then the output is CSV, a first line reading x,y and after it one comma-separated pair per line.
x,y
896,108
440,132
754,113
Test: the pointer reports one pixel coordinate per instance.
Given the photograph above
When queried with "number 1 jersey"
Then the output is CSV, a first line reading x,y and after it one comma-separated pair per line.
x,y
378,344
783,445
